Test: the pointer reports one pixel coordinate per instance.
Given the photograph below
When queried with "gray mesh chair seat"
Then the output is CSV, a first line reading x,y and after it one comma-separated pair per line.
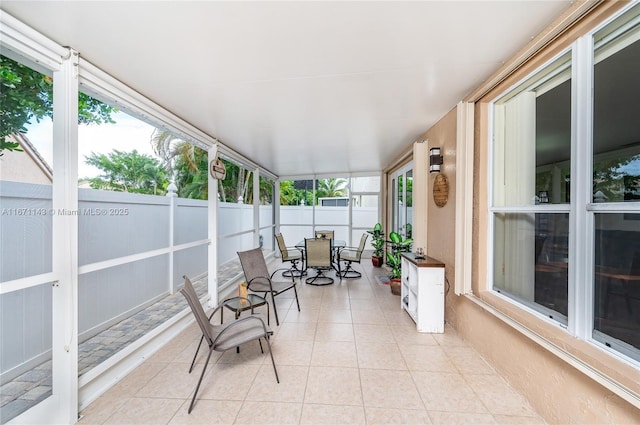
x,y
318,256
259,280
292,255
226,336
349,256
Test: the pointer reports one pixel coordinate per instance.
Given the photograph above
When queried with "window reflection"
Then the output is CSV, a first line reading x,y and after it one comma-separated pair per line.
x,y
617,277
532,260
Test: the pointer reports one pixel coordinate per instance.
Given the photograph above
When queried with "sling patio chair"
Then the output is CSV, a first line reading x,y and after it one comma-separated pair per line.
x,y
318,256
224,337
259,280
351,255
292,255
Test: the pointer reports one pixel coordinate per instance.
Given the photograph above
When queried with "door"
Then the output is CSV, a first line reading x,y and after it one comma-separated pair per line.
x,y
402,201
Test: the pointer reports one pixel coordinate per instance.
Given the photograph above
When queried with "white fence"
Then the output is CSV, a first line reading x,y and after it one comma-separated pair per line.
x,y
133,250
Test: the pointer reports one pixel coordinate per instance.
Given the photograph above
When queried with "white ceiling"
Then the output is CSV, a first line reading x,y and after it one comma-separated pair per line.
x,y
298,87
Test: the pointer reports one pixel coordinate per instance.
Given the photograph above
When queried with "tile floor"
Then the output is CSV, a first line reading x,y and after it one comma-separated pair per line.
x,y
351,356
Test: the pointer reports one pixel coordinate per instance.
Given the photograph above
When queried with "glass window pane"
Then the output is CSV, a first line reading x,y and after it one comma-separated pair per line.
x,y
616,127
532,139
26,218
617,280
531,260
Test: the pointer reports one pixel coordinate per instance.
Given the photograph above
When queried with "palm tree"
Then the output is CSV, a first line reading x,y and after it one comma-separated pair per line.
x,y
331,188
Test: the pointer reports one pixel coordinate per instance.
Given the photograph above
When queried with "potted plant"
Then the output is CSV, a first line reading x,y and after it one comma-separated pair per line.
x,y
377,242
394,260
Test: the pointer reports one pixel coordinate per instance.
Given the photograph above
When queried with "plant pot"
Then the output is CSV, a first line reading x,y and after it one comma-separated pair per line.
x,y
395,286
376,261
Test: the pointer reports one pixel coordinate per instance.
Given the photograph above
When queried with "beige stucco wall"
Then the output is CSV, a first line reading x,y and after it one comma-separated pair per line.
x,y
21,167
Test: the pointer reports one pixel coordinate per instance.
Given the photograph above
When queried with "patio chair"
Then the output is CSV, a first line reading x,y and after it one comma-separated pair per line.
x,y
351,255
224,337
259,280
324,234
318,256
292,255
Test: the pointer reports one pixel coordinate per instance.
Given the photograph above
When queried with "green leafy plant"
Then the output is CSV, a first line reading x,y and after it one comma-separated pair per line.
x,y
377,242
398,245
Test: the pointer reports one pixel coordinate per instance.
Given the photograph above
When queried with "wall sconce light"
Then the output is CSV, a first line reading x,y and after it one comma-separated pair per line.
x,y
435,160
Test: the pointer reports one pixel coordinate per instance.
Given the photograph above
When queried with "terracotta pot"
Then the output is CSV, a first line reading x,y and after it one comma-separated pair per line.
x,y
376,261
395,286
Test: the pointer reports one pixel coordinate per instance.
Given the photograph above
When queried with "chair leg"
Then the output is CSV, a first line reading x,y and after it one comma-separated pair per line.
x,y
204,369
272,361
275,310
193,362
295,291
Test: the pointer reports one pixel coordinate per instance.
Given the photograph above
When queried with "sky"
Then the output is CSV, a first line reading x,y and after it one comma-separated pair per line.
x,y
126,134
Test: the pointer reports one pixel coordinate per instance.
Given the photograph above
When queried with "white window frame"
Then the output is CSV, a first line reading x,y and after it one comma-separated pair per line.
x,y
581,210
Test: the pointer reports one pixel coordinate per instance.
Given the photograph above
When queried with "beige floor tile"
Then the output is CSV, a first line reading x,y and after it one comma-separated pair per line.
x,y
292,331
250,353
360,304
333,385
335,316
145,411
447,392
207,412
373,333
449,338
372,317
468,361
457,418
263,412
373,355
335,332
319,414
379,416
101,409
171,382
293,353
427,357
335,303
398,317
135,380
389,389
312,303
334,353
293,380
228,381
498,396
518,420
303,316
407,335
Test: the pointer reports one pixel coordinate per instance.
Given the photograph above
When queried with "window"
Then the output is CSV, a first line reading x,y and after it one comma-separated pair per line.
x,y
565,214
532,155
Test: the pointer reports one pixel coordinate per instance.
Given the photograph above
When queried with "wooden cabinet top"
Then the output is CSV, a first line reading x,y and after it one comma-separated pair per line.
x,y
424,262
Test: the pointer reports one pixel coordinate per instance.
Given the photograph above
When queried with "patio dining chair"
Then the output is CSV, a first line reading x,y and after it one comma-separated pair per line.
x,y
318,256
259,280
324,234
224,337
351,255
292,255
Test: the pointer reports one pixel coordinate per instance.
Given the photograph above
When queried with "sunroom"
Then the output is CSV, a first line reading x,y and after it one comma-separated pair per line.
x,y
327,116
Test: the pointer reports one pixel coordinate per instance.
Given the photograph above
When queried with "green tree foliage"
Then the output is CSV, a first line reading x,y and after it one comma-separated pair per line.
x,y
189,166
26,94
128,172
331,188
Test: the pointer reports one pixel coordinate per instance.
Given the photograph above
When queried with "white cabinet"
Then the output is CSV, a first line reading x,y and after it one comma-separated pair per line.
x,y
422,292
